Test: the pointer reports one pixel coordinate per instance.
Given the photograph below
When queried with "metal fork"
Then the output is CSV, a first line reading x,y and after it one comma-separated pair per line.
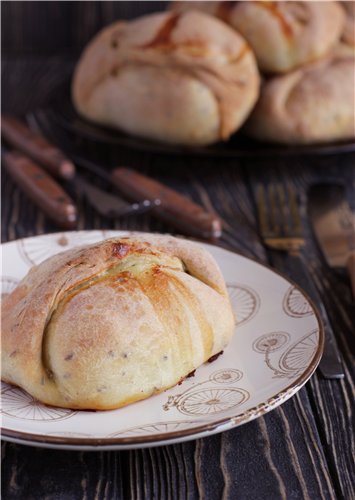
x,y
281,230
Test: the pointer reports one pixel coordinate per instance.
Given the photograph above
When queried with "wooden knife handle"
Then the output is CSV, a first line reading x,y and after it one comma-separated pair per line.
x,y
174,208
351,270
41,188
19,136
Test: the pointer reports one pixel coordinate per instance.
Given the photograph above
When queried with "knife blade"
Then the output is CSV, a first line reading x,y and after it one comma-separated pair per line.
x,y
109,205
333,224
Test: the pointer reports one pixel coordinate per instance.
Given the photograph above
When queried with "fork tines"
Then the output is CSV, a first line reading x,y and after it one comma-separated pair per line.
x,y
279,217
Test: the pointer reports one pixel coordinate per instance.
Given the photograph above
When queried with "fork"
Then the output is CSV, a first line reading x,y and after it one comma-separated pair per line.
x,y
281,230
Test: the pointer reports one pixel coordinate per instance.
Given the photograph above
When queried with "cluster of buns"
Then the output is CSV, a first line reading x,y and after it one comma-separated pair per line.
x,y
101,326
191,76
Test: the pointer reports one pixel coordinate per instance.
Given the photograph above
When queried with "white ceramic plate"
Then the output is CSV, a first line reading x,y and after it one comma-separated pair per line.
x,y
276,348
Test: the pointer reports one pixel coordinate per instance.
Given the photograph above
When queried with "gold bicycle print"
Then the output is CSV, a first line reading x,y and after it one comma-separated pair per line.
x,y
294,359
295,304
17,403
245,302
210,400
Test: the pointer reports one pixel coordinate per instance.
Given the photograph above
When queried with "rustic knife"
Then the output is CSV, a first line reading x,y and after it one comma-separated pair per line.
x,y
167,204
174,208
41,188
36,147
334,226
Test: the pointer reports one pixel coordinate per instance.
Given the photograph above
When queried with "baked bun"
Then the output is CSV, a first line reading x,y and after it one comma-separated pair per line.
x,y
101,326
311,104
179,78
283,35
346,44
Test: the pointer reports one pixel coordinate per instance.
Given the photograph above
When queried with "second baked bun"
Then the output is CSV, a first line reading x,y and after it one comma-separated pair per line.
x,y
178,78
312,104
283,35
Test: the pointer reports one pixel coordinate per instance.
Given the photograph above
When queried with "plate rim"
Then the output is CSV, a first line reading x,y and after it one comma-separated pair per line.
x,y
166,438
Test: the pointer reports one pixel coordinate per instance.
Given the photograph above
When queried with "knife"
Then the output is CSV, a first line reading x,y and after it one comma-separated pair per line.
x,y
36,147
41,188
177,209
173,208
333,224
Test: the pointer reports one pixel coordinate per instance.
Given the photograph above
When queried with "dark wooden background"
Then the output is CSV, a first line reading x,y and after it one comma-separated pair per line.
x,y
47,28
302,450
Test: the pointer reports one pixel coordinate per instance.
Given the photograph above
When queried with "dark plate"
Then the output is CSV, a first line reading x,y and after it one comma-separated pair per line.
x,y
62,112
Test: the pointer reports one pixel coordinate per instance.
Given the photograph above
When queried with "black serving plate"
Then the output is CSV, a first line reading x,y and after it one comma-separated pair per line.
x,y
62,112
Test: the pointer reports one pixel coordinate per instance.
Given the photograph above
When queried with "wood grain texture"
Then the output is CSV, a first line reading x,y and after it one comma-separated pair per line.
x,y
48,27
302,450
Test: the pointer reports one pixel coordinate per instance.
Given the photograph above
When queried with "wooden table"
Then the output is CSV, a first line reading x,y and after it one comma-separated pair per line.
x,y
303,449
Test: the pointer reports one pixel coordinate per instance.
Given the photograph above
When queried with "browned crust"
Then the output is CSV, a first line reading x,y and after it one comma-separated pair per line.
x,y
30,314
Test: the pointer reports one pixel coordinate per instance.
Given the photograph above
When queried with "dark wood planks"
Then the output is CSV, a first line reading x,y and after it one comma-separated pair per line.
x,y
304,449
48,27
62,26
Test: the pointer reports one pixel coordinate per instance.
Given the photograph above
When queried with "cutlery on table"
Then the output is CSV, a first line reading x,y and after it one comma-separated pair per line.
x,y
333,224
146,193
281,229
171,206
41,188
36,147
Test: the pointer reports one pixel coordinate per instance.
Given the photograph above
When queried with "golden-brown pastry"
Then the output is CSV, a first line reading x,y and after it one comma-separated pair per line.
x,y
179,78
101,326
283,35
315,103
